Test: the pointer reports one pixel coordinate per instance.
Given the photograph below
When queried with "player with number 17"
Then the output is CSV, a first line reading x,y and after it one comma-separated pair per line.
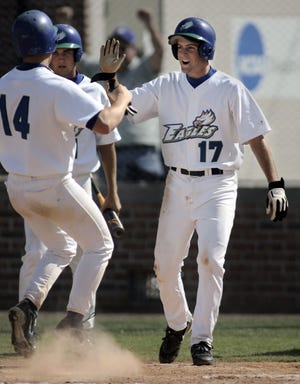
x,y
206,118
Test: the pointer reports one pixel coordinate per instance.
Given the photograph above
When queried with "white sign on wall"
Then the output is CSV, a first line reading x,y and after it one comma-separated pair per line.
x,y
266,55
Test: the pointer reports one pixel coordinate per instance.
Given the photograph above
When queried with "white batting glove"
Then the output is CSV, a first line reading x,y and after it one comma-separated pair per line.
x,y
277,203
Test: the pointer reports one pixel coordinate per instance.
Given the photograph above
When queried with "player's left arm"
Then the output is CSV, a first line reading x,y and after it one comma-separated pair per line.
x,y
109,163
277,203
262,152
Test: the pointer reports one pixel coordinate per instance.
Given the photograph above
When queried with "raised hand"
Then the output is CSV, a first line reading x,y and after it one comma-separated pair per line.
x,y
110,61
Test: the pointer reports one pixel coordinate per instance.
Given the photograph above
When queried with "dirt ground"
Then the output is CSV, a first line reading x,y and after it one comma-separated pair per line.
x,y
58,360
17,370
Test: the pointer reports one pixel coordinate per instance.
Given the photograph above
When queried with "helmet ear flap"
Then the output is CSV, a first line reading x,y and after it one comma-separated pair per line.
x,y
206,51
175,51
77,55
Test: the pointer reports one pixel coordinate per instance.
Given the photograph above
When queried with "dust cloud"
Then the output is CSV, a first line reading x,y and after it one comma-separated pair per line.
x,y
60,357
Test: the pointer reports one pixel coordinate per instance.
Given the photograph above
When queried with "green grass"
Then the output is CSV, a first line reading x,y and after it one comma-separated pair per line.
x,y
236,337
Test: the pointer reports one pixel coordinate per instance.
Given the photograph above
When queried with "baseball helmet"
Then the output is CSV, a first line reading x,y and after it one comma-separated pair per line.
x,y
124,33
196,30
68,37
33,33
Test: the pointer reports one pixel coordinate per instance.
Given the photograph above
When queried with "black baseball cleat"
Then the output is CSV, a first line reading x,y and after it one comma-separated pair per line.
x,y
72,320
201,354
73,325
22,318
170,346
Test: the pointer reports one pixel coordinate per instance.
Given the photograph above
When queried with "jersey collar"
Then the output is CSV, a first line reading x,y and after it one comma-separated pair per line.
x,y
28,66
195,82
78,78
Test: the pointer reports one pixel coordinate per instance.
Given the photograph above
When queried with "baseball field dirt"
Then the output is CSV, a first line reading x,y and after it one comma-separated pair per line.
x,y
18,370
58,360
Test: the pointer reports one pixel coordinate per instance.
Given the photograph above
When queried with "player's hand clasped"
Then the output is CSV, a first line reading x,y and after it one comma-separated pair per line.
x,y
277,203
110,61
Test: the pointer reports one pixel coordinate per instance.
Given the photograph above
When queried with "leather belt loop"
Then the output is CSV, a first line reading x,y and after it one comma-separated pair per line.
x,y
207,172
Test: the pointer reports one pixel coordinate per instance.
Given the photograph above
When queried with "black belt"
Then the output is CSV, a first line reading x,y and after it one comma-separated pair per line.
x,y
212,171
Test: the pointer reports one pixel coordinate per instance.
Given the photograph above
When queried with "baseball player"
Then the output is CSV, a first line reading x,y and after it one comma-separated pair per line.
x,y
64,63
206,118
39,110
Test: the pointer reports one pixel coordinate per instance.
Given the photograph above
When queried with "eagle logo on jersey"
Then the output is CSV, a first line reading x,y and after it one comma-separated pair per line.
x,y
202,128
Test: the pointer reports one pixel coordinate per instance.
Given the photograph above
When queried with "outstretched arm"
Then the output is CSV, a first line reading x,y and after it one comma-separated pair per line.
x,y
157,56
110,117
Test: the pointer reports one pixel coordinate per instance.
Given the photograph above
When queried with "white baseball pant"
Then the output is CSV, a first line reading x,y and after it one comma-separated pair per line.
x,y
207,205
58,210
35,248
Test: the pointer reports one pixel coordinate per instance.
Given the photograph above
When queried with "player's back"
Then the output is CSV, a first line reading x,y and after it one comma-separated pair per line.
x,y
38,109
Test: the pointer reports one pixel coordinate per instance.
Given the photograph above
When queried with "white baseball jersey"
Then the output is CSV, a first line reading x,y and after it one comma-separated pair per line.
x,y
86,157
45,113
202,127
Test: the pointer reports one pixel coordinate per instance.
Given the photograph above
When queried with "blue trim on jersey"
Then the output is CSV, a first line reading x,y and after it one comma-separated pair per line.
x,y
90,124
195,82
28,66
78,78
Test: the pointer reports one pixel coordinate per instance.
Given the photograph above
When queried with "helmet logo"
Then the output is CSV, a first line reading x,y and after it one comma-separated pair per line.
x,y
187,25
61,35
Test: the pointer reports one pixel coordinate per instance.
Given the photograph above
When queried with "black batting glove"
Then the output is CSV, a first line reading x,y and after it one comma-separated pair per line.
x,y
277,204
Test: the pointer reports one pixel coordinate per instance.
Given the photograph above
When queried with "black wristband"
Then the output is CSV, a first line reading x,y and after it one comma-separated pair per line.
x,y
103,76
276,184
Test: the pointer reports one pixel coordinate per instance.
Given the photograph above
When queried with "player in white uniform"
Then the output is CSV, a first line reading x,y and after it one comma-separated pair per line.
x,y
37,148
206,118
64,63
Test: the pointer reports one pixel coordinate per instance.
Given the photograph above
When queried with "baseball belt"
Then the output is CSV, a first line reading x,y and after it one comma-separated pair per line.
x,y
207,172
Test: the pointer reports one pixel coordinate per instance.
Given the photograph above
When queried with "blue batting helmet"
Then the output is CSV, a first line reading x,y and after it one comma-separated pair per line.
x,y
196,30
33,33
124,33
68,37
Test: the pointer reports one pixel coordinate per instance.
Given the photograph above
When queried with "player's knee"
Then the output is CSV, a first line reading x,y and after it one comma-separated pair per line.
x,y
64,254
213,263
164,272
30,259
103,252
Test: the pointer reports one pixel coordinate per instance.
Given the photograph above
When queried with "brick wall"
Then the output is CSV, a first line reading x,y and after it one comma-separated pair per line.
x,y
13,8
262,263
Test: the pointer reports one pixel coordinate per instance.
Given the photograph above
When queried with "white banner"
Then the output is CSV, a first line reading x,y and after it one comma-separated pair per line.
x,y
266,55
